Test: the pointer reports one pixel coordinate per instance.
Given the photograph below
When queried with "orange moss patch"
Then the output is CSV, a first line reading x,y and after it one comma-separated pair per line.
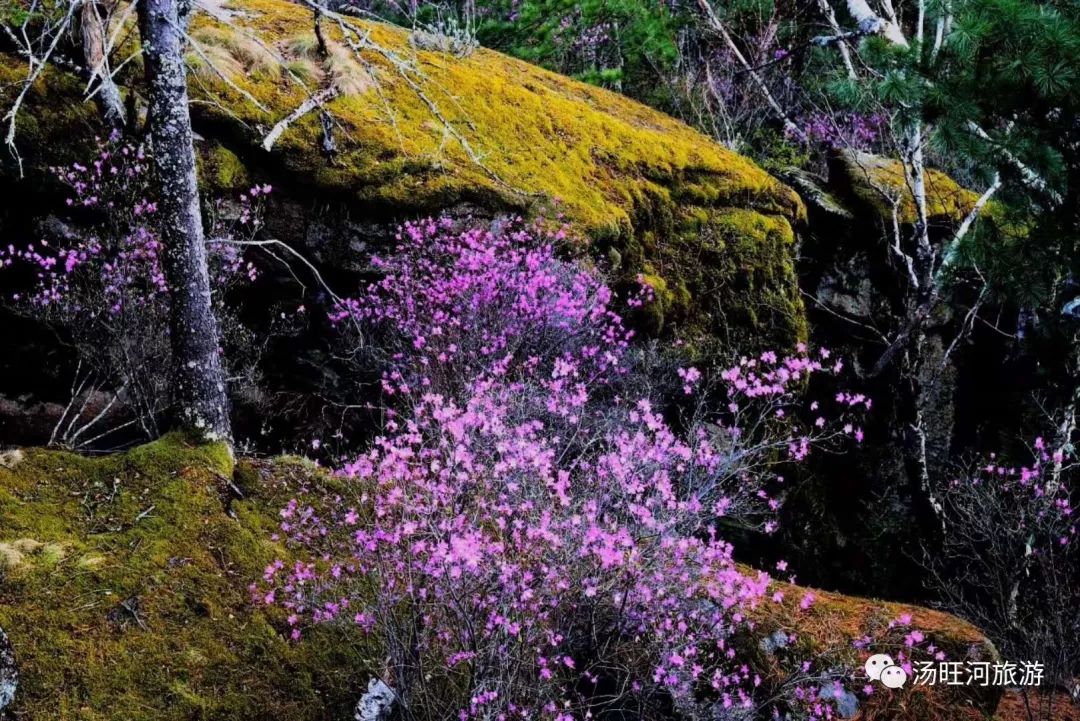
x,y
826,631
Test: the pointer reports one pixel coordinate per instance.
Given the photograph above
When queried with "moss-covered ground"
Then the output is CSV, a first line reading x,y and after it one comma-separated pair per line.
x,y
123,588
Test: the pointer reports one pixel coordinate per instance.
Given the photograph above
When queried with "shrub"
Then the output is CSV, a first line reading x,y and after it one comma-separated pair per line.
x,y
530,536
99,282
1009,556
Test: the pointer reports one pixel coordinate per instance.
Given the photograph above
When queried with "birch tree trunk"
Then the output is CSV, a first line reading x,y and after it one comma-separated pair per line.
x,y
9,675
199,379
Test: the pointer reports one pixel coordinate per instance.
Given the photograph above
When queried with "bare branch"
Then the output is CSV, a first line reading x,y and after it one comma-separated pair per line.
x,y
37,66
721,29
1031,178
951,251
315,101
845,52
96,55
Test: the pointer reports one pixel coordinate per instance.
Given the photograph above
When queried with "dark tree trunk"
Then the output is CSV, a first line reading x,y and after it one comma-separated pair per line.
x,y
199,379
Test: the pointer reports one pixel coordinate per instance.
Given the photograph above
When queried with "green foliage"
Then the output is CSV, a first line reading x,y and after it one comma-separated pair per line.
x,y
613,43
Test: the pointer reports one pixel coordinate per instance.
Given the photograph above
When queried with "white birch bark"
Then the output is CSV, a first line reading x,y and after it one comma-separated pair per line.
x,y
871,23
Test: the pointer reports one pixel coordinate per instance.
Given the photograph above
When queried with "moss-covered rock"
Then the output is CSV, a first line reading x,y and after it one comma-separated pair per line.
x,y
826,629
422,132
124,592
123,589
879,185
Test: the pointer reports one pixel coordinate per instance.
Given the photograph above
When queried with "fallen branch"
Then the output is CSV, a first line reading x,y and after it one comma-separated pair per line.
x,y
313,102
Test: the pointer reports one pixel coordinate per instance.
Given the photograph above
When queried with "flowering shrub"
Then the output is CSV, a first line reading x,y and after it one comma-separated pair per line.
x,y
1009,556
457,305
530,537
858,131
99,280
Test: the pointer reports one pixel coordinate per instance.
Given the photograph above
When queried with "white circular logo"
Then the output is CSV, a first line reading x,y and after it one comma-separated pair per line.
x,y
894,677
876,664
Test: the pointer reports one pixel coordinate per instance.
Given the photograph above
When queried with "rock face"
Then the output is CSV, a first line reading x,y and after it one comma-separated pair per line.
x,y
422,132
857,296
415,132
9,674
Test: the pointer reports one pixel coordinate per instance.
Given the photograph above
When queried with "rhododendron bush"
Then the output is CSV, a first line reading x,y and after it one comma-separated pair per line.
x,y
537,533
1010,554
99,281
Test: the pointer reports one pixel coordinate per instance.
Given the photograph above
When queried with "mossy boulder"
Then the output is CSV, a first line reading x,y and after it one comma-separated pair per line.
x,y
123,590
825,631
125,597
880,186
422,132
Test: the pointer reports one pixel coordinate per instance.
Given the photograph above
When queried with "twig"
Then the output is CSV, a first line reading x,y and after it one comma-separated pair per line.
x,y
35,73
228,81
714,22
274,242
313,102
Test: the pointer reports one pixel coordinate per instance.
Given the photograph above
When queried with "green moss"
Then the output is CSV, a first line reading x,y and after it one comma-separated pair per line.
x,y
128,600
726,277
52,124
221,169
880,182
150,528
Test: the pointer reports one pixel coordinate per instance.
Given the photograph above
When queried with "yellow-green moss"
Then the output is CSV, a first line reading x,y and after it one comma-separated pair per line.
x,y
535,132
52,124
621,172
151,524
879,182
221,169
722,275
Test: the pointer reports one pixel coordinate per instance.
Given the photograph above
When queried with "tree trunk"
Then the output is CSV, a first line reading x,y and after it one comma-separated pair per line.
x,y
95,51
199,379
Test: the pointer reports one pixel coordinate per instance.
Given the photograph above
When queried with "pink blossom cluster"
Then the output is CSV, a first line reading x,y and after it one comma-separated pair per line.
x,y
1040,489
530,529
114,265
844,130
903,641
488,301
